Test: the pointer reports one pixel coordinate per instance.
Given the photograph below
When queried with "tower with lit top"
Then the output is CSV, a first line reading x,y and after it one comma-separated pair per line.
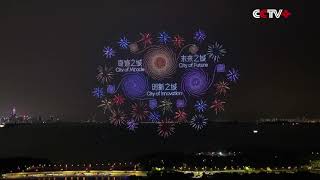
x,y
14,112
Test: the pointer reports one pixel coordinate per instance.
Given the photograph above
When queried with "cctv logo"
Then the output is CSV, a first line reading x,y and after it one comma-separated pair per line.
x,y
270,13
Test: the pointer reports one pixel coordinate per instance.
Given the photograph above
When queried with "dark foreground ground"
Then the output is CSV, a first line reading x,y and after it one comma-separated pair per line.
x,y
72,142
275,145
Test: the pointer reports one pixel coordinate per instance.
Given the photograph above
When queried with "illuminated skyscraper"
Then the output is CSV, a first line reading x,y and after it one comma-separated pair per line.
x,y
14,112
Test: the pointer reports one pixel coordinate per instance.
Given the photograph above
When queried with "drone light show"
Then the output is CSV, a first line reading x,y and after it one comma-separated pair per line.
x,y
163,79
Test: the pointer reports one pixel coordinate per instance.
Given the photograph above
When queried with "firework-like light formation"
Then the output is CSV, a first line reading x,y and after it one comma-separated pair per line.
x,y
105,74
139,111
98,92
217,105
180,116
166,128
198,121
195,82
165,106
132,125
108,52
216,51
178,41
199,36
106,104
164,80
160,63
118,117
146,39
134,85
222,87
154,116
164,37
201,106
124,43
118,99
233,75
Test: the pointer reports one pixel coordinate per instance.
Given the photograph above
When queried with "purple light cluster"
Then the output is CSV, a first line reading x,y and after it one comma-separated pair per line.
x,y
195,82
134,85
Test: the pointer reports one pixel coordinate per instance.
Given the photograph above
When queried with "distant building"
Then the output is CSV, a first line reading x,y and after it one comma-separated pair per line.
x,y
14,111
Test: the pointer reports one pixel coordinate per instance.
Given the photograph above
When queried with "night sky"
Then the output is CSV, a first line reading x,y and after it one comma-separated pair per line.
x,y
49,52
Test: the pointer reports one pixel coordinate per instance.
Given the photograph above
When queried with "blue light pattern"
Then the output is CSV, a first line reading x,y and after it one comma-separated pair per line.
x,y
108,52
163,37
98,92
153,103
199,36
154,116
221,68
132,125
124,43
201,106
180,103
111,89
233,75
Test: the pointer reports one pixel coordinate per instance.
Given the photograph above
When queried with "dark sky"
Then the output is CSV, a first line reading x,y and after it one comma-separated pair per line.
x,y
49,51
